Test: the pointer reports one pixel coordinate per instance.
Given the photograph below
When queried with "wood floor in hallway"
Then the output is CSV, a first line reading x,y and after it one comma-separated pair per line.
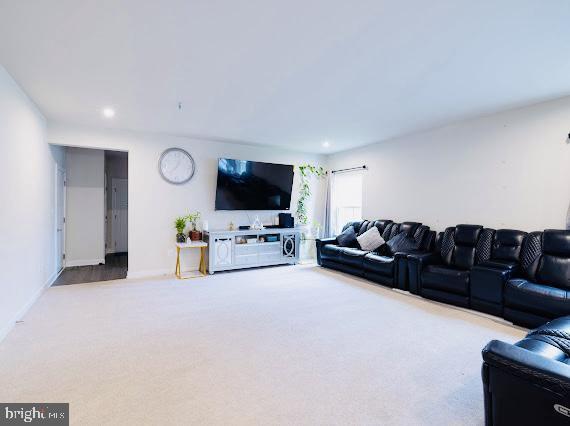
x,y
115,268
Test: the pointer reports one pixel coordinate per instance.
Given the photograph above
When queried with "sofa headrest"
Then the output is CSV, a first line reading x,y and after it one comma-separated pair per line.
x,y
507,244
509,237
556,242
380,224
409,227
467,234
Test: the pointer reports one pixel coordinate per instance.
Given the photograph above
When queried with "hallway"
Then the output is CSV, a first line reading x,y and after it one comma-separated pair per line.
x,y
115,268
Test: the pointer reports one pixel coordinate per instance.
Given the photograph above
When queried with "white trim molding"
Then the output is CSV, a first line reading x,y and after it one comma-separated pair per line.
x,y
84,262
24,310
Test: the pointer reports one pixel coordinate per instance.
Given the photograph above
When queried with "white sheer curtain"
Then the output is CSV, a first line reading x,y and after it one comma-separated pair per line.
x,y
327,225
346,198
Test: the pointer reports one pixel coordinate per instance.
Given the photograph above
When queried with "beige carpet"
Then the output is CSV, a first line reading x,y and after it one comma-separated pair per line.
x,y
285,345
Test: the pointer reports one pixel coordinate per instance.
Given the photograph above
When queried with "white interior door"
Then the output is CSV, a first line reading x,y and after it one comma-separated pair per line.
x,y
120,208
60,219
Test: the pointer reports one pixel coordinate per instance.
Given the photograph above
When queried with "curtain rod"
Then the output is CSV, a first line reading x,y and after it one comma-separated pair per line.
x,y
364,167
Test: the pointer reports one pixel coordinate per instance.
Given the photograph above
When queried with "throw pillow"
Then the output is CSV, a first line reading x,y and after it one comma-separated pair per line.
x,y
401,242
370,240
347,238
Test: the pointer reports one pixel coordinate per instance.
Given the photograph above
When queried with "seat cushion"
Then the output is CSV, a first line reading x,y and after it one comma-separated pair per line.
x,y
352,256
536,298
382,265
448,279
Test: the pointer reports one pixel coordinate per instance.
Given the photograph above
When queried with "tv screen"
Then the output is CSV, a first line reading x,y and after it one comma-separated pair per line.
x,y
250,185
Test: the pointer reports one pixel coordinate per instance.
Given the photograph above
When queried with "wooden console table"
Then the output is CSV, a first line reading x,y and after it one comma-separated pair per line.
x,y
201,268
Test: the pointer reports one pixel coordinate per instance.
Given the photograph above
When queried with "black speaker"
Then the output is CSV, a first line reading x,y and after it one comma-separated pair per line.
x,y
286,220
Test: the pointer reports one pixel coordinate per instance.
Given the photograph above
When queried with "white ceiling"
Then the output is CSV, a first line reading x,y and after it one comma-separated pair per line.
x,y
289,73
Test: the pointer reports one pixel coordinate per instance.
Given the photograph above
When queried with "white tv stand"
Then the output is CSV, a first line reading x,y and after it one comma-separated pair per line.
x,y
251,248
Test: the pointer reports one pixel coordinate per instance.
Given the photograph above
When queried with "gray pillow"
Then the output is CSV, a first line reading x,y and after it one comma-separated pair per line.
x,y
370,240
347,238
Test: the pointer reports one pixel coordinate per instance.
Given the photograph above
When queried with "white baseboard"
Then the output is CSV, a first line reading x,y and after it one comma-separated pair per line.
x,y
149,273
24,310
83,262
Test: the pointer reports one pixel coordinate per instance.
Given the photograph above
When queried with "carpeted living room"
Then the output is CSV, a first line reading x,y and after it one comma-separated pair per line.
x,y
235,213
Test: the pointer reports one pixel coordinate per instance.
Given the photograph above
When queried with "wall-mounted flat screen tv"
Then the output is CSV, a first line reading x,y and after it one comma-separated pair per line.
x,y
251,185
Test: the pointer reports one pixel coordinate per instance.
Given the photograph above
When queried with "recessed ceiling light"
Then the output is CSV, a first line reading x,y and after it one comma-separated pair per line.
x,y
108,112
326,144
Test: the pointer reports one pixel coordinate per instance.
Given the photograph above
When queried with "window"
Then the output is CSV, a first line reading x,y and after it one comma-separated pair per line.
x,y
346,199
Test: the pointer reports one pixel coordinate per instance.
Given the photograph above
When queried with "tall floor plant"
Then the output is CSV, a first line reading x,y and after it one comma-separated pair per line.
x,y
306,172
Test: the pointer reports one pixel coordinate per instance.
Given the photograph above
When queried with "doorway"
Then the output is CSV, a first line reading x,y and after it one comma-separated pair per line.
x,y
95,216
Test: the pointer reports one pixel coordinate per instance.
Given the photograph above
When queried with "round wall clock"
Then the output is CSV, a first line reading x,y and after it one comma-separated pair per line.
x,y
176,166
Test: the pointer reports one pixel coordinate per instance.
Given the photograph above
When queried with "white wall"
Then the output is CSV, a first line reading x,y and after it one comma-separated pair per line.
x,y
27,218
507,170
85,205
153,203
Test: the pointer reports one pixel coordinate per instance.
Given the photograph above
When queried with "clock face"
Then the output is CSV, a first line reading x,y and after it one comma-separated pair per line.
x,y
176,166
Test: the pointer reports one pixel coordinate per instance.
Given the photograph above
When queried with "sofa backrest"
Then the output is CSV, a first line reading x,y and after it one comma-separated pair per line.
x,y
554,265
394,229
360,227
463,246
507,245
420,236
531,253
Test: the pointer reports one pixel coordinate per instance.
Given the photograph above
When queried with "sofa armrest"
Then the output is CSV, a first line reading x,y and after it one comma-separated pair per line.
x,y
527,365
320,242
416,263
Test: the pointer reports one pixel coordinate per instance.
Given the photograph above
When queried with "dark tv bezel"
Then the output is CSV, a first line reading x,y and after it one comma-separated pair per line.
x,y
252,210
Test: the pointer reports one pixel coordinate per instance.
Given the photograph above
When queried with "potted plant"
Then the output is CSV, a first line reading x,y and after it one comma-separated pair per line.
x,y
194,234
307,170
180,224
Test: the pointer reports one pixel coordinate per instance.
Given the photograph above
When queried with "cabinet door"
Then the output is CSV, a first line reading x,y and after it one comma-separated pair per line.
x,y
223,252
289,247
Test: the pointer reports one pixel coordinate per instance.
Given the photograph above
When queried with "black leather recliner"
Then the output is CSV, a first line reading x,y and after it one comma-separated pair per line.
x,y
446,276
376,266
543,290
528,383
489,278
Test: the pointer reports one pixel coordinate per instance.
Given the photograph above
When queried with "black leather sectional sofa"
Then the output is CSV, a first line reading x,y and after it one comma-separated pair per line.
x,y
523,277
387,269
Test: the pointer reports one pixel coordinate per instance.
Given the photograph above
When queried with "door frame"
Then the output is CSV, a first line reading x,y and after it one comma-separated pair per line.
x,y
59,169
113,205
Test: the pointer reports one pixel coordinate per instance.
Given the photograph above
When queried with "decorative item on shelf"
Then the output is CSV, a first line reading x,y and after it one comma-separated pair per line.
x,y
257,223
180,224
193,218
307,170
262,239
232,227
240,240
